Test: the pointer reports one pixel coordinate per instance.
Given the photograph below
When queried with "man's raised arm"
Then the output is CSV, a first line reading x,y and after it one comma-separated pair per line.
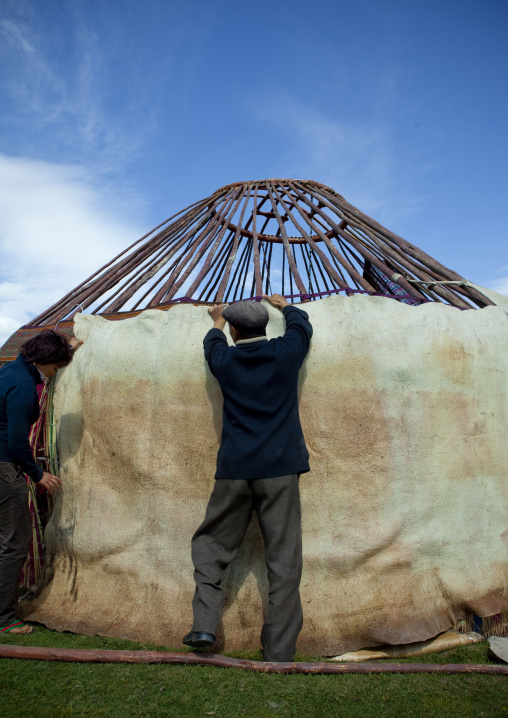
x,y
215,341
298,326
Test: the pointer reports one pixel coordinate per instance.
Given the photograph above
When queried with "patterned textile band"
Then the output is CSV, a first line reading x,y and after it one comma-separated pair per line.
x,y
16,624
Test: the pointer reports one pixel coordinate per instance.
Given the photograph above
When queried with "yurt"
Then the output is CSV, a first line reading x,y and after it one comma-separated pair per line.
x,y
404,407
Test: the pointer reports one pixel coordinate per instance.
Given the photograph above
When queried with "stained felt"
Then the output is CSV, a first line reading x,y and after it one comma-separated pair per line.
x,y
404,411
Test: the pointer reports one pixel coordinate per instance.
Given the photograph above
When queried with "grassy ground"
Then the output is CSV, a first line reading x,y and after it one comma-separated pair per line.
x,y
34,689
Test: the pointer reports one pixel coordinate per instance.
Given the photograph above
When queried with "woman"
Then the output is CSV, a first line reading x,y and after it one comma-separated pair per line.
x,y
38,359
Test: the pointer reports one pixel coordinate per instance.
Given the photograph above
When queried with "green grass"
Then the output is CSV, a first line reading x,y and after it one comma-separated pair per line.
x,y
34,689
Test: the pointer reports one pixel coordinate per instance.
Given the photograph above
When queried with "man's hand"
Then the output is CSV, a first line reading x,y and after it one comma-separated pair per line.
x,y
276,300
51,483
75,343
216,313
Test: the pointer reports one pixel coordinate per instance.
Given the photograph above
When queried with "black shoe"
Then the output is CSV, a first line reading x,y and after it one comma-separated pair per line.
x,y
198,639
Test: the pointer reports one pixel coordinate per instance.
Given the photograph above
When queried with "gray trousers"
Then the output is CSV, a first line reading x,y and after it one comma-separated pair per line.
x,y
215,544
15,536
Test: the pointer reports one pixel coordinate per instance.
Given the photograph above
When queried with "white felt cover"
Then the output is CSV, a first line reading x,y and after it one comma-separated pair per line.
x,y
405,511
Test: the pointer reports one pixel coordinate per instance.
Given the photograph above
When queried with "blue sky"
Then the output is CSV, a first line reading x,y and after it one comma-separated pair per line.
x,y
114,115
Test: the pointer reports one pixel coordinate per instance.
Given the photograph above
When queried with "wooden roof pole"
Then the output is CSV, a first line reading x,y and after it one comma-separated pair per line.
x,y
404,266
90,293
326,262
219,261
236,198
399,264
394,254
356,225
222,286
157,299
287,247
413,251
234,283
169,249
69,296
257,267
347,266
214,228
361,249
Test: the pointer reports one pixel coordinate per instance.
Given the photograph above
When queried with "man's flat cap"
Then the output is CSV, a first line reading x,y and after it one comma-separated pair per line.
x,y
246,315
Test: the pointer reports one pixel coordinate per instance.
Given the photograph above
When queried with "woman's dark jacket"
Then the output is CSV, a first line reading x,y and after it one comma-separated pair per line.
x,y
19,409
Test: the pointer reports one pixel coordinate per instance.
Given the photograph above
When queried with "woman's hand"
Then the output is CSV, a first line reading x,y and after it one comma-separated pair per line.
x,y
75,343
51,483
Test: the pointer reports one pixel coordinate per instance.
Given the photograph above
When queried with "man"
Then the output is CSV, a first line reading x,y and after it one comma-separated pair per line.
x,y
38,359
261,456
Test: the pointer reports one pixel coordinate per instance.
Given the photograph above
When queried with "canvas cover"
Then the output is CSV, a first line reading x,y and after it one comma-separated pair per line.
x,y
405,510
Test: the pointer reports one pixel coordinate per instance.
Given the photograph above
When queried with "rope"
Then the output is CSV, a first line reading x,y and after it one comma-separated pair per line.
x,y
68,312
303,297
432,282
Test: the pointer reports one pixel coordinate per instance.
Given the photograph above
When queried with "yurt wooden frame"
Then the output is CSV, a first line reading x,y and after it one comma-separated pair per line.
x,y
221,249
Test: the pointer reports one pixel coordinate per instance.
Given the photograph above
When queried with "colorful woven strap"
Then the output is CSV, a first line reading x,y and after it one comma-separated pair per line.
x,y
16,624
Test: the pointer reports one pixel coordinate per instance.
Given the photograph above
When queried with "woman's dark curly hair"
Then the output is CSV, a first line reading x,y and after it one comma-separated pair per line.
x,y
48,347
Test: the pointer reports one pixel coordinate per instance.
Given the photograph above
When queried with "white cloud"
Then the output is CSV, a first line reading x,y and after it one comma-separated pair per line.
x,y
7,327
68,103
57,226
499,285
358,160
31,82
14,32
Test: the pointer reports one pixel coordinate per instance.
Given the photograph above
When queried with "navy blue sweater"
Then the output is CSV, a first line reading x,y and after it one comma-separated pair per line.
x,y
261,433
19,409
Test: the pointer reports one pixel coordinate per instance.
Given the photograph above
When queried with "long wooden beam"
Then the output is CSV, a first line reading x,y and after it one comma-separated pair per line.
x,y
89,655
